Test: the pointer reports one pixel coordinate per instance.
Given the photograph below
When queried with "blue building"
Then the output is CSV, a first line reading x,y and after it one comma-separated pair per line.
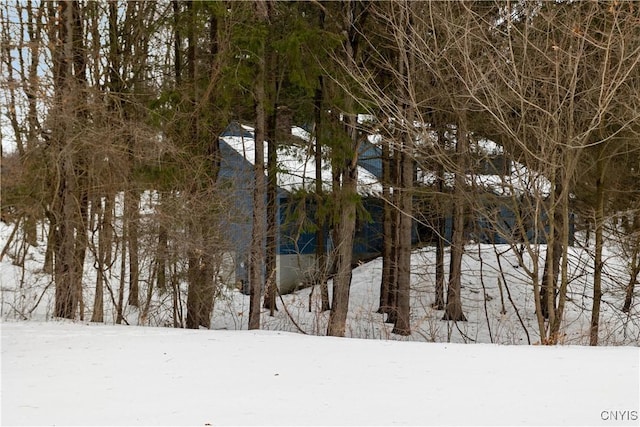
x,y
501,203
296,236
501,189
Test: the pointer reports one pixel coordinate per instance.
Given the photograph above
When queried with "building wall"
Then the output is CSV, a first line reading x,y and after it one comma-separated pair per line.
x,y
294,271
237,174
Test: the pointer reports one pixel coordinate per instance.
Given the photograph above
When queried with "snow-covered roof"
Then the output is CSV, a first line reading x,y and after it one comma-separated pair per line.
x,y
517,181
488,147
296,163
521,180
297,168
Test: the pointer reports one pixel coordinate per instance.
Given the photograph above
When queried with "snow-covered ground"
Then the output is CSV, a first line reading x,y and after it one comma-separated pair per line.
x,y
63,373
76,373
491,284
497,297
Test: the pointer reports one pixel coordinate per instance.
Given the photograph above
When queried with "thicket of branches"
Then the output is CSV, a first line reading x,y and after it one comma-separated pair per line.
x,y
114,110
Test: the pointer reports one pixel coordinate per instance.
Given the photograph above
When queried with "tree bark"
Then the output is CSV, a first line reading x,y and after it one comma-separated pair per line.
x,y
598,263
453,309
402,324
131,213
344,246
69,204
549,288
104,250
396,162
123,273
321,232
161,258
203,131
256,260
388,234
201,286
440,229
347,193
271,287
633,278
66,301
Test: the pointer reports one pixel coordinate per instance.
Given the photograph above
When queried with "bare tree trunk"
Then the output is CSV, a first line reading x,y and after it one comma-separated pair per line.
x,y
441,232
402,324
97,314
346,167
30,81
123,274
65,266
131,216
321,232
69,205
201,286
322,259
344,245
81,168
81,246
194,275
195,231
271,289
598,263
453,309
392,314
175,297
548,288
48,266
634,265
203,130
549,280
161,258
564,267
104,248
256,259
633,278
388,262
11,103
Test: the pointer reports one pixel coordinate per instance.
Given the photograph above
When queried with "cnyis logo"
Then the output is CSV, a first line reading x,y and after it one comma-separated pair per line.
x,y
616,415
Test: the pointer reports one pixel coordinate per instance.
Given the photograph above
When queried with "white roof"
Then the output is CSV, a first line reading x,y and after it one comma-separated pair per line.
x,y
521,180
297,166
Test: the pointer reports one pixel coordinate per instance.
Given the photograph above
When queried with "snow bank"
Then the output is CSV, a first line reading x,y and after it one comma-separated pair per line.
x,y
75,374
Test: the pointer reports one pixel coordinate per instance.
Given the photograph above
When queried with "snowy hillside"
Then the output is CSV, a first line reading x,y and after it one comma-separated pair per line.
x,y
60,373
78,373
482,301
497,299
